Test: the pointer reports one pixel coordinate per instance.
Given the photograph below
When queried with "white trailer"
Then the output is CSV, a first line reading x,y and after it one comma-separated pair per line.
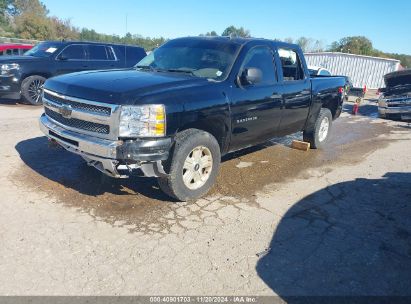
x,y
363,70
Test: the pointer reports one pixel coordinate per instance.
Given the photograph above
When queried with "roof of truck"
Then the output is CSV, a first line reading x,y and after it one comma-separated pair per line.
x,y
240,40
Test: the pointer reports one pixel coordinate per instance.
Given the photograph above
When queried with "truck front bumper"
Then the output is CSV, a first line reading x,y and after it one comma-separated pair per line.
x,y
118,158
9,86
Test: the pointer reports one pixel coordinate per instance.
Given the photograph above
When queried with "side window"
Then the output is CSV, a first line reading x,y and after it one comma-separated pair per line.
x,y
15,51
291,65
73,52
110,53
9,52
97,52
262,58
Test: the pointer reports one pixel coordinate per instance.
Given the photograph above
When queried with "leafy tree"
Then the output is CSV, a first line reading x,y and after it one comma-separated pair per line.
x,y
240,32
289,40
20,7
356,45
212,33
64,29
33,26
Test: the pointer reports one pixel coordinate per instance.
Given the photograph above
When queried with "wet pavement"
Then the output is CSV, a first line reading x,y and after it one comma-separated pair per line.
x,y
139,201
210,239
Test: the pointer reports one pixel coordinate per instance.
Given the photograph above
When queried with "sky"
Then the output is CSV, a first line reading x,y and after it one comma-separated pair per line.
x,y
386,23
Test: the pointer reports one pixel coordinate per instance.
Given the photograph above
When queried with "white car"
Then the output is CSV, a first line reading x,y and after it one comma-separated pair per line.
x,y
315,70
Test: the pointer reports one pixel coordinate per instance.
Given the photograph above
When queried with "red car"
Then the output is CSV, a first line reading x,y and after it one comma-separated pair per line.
x,y
10,49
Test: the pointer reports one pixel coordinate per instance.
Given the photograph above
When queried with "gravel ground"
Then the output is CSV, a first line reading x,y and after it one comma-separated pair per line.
x,y
279,221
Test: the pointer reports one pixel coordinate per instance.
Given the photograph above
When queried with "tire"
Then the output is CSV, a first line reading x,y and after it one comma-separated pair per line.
x,y
320,132
189,177
31,89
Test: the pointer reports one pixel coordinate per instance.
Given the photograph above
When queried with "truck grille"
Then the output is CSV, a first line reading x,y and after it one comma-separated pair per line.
x,y
77,123
77,105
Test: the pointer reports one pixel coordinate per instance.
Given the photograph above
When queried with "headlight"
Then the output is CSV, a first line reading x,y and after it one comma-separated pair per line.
x,y
142,121
6,68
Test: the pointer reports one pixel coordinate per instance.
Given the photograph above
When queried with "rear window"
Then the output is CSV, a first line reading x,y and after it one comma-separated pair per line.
x,y
291,65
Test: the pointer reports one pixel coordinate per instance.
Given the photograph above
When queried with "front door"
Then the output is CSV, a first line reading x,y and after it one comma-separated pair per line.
x,y
255,107
71,59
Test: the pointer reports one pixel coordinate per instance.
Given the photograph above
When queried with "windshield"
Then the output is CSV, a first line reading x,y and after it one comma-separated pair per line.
x,y
198,57
44,49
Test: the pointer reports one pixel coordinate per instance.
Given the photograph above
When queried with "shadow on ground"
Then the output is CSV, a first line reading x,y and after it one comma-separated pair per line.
x,y
71,171
351,239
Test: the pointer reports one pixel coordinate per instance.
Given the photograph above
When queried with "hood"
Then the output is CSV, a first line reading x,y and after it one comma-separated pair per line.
x,y
18,59
398,82
119,86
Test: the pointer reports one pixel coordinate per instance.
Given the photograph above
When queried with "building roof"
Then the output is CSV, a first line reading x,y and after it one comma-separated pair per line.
x,y
353,55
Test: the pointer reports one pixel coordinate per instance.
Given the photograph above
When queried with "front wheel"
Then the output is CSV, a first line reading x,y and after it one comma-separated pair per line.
x,y
31,89
193,165
319,134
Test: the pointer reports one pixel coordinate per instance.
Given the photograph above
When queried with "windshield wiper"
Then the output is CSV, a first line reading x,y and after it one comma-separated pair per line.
x,y
191,72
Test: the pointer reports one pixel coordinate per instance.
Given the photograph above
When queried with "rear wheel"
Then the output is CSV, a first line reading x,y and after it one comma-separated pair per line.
x,y
318,135
31,89
193,165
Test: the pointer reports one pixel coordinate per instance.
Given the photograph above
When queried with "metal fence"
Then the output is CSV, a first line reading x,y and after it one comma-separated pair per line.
x,y
363,70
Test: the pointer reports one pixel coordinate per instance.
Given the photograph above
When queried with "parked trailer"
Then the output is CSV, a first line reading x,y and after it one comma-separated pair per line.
x,y
363,70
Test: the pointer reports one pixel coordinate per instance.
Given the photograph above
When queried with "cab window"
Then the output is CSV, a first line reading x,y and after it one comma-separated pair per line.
x,y
291,65
262,58
97,52
73,52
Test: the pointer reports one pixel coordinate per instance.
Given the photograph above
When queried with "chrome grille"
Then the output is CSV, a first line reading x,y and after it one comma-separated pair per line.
x,y
77,105
84,116
78,123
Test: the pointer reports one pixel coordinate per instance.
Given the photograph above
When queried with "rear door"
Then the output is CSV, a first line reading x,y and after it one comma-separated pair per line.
x,y
100,57
255,108
296,90
71,59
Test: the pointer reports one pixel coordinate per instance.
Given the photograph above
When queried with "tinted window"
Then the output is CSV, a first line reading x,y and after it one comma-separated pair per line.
x,y
9,52
110,53
291,65
324,73
15,51
135,54
97,52
73,52
262,59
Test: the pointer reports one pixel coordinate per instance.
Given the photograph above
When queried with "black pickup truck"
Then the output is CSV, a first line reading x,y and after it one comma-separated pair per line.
x,y
23,76
185,105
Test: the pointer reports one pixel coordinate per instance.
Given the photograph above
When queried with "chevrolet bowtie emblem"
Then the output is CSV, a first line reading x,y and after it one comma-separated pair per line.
x,y
66,111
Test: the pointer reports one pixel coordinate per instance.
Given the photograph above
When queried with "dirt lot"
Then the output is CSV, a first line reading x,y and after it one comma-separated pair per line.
x,y
278,221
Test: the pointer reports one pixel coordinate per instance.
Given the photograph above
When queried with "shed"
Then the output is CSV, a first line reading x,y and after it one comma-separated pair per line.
x,y
363,70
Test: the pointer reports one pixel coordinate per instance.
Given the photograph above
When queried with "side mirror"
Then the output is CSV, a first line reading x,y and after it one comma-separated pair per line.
x,y
251,76
382,90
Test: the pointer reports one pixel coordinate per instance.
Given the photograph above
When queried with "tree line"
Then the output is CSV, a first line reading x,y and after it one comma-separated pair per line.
x,y
30,19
